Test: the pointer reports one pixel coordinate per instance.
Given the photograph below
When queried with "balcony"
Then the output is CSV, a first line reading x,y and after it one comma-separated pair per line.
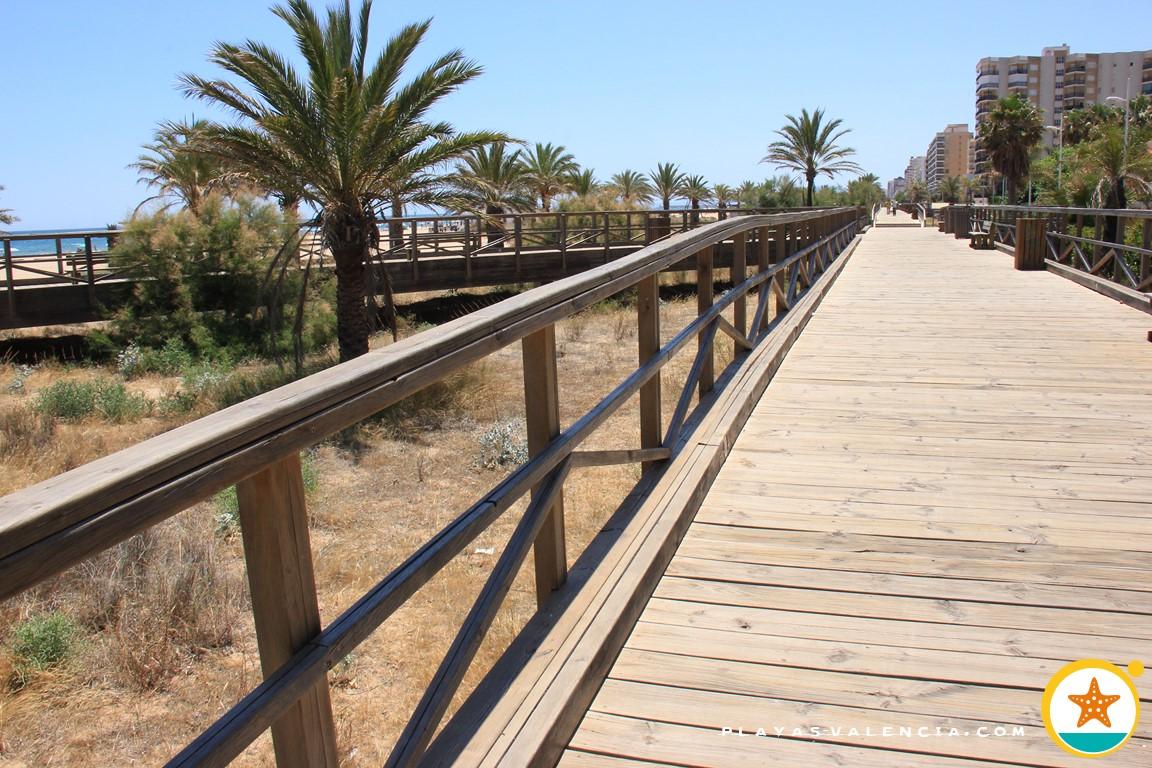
x,y
984,81
989,94
1017,82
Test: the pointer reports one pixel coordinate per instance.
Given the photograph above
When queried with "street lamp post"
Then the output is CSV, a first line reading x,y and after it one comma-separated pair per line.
x,y
1127,114
1059,151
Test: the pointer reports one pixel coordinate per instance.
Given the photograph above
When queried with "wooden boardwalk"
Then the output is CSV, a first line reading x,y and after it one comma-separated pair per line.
x,y
944,495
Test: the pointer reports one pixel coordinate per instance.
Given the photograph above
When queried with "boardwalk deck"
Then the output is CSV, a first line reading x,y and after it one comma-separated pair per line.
x,y
943,496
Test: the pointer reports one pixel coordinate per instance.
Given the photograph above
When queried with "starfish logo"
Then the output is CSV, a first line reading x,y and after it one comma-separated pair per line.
x,y
1091,707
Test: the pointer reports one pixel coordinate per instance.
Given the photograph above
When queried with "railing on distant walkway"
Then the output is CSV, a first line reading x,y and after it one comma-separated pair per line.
x,y
255,445
418,253
1107,249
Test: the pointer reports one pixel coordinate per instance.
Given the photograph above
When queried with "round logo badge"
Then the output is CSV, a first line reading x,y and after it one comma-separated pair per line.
x,y
1091,707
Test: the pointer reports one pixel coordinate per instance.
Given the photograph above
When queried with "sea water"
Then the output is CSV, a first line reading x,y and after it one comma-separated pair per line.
x,y
48,244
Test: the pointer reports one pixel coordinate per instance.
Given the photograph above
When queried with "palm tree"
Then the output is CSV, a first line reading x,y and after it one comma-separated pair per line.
x,y
632,188
667,182
949,189
723,194
342,135
697,190
1010,133
491,181
1116,166
808,145
749,194
173,165
550,170
6,216
865,190
917,191
584,182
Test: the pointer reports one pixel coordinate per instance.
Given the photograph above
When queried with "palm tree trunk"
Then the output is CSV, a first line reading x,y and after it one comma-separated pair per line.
x,y
396,228
348,242
1117,198
493,224
811,193
667,202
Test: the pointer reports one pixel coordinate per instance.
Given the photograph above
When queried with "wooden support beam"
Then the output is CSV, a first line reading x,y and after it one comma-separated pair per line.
x,y
648,343
278,555
782,250
704,299
739,272
628,456
542,413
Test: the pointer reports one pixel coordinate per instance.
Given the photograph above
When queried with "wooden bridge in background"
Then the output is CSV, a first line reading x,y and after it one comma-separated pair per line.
x,y
922,486
422,253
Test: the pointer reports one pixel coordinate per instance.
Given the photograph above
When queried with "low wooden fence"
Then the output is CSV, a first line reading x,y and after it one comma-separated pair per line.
x,y
1104,248
255,445
421,253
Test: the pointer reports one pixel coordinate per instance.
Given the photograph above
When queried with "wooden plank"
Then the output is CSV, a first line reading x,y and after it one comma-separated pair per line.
x,y
826,723
542,414
648,343
704,301
707,748
274,524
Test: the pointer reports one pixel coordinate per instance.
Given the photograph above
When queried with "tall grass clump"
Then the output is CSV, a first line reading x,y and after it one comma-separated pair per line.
x,y
40,643
76,400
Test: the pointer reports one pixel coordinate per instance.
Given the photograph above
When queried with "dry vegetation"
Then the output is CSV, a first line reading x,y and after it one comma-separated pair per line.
x,y
162,640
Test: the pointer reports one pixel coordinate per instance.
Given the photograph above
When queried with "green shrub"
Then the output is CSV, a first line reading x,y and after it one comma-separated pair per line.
x,y
42,642
71,400
221,280
504,444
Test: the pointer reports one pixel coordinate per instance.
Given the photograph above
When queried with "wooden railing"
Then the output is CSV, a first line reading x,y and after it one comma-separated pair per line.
x,y
255,445
417,253
1126,264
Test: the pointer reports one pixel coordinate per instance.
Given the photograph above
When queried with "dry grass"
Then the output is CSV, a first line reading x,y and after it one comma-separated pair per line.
x,y
169,644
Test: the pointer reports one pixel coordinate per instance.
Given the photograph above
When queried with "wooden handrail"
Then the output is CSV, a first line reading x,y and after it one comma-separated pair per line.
x,y
57,523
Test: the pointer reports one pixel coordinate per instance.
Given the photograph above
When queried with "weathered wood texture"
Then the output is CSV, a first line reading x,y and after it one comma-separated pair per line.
x,y
942,497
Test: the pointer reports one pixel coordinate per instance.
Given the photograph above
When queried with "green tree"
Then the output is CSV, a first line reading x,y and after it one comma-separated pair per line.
x,y
584,183
341,135
917,192
632,188
697,190
1010,134
723,194
1116,167
491,181
865,191
6,216
808,145
667,182
748,194
549,172
173,164
949,189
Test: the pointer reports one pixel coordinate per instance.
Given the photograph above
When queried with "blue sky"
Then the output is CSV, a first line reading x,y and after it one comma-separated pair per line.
x,y
621,84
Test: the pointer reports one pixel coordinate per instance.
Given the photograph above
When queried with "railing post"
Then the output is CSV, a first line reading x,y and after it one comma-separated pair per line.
x,y
1030,234
518,234
704,300
782,251
562,237
91,272
467,246
607,237
9,278
274,526
542,414
739,273
648,343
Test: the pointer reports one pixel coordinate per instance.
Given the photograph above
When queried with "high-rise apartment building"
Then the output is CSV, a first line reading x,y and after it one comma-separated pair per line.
x,y
947,155
895,187
914,171
1056,81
